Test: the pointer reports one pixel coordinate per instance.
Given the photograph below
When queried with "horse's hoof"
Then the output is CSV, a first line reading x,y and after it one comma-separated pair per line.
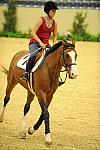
x,y
1,118
31,130
48,139
23,135
48,143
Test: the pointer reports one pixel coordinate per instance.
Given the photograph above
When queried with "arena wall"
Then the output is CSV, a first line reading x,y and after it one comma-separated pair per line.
x,y
26,18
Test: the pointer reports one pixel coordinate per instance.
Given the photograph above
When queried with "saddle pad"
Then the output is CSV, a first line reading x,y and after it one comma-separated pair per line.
x,y
22,62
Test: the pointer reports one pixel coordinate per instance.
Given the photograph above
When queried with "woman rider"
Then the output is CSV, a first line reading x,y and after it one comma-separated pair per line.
x,y
41,33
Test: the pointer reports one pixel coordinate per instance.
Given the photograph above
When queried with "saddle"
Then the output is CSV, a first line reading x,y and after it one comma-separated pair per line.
x,y
39,59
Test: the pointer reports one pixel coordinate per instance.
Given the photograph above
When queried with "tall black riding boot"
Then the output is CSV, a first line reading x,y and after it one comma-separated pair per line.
x,y
29,66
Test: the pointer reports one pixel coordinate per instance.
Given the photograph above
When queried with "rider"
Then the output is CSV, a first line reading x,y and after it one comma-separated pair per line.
x,y
41,33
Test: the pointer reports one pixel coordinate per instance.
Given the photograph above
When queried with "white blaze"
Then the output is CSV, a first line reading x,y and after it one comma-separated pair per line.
x,y
73,67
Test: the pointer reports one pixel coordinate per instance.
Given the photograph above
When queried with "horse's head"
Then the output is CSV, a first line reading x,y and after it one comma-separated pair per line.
x,y
69,56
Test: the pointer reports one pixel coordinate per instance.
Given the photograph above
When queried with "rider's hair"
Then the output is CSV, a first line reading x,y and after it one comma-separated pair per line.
x,y
50,5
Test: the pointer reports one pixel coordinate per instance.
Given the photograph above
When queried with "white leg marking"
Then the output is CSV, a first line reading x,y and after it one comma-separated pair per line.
x,y
24,126
48,138
2,114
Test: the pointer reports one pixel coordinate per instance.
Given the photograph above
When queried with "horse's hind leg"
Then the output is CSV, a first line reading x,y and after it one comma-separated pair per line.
x,y
10,85
36,126
30,98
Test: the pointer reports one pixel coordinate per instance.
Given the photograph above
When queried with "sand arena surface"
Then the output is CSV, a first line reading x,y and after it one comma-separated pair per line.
x,y
74,111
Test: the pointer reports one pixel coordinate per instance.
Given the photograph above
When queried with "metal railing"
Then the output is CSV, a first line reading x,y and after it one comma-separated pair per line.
x,y
87,4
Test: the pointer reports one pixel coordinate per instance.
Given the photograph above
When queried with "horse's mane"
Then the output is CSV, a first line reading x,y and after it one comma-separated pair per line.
x,y
54,47
69,45
57,45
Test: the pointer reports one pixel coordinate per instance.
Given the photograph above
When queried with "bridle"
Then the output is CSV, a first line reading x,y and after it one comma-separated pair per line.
x,y
66,66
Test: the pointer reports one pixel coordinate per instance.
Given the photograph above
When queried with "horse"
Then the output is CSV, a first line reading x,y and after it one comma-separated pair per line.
x,y
44,82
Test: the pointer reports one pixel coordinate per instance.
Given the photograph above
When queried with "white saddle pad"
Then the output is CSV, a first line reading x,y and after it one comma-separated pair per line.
x,y
22,62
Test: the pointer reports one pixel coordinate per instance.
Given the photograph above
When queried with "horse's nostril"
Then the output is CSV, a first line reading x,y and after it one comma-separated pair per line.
x,y
72,76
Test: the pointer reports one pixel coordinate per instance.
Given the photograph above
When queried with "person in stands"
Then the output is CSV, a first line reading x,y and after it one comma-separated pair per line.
x,y
41,34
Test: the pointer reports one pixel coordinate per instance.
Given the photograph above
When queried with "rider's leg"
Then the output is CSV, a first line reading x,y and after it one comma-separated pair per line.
x,y
33,50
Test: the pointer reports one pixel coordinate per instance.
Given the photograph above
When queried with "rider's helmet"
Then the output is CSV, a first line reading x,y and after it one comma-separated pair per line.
x,y
50,5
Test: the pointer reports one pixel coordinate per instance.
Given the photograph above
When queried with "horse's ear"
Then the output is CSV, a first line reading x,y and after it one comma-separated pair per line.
x,y
64,42
73,43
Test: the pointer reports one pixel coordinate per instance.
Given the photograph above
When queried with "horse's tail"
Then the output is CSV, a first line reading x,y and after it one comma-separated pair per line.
x,y
3,69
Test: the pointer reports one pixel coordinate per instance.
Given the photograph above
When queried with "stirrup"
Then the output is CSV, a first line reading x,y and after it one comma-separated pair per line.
x,y
25,76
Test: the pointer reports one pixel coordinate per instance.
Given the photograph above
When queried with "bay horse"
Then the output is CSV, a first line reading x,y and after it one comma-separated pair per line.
x,y
45,81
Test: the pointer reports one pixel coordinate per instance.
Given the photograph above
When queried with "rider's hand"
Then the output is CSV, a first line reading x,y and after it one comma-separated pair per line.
x,y
43,46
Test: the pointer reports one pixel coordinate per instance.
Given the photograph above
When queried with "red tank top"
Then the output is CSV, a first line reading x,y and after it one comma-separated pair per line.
x,y
44,32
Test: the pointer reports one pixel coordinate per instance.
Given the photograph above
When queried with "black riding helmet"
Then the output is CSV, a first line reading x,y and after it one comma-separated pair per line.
x,y
50,5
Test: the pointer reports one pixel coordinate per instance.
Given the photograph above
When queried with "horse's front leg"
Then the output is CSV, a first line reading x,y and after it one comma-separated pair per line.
x,y
46,116
30,98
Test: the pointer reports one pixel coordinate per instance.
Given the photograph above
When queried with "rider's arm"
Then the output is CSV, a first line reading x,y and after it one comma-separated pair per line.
x,y
55,34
